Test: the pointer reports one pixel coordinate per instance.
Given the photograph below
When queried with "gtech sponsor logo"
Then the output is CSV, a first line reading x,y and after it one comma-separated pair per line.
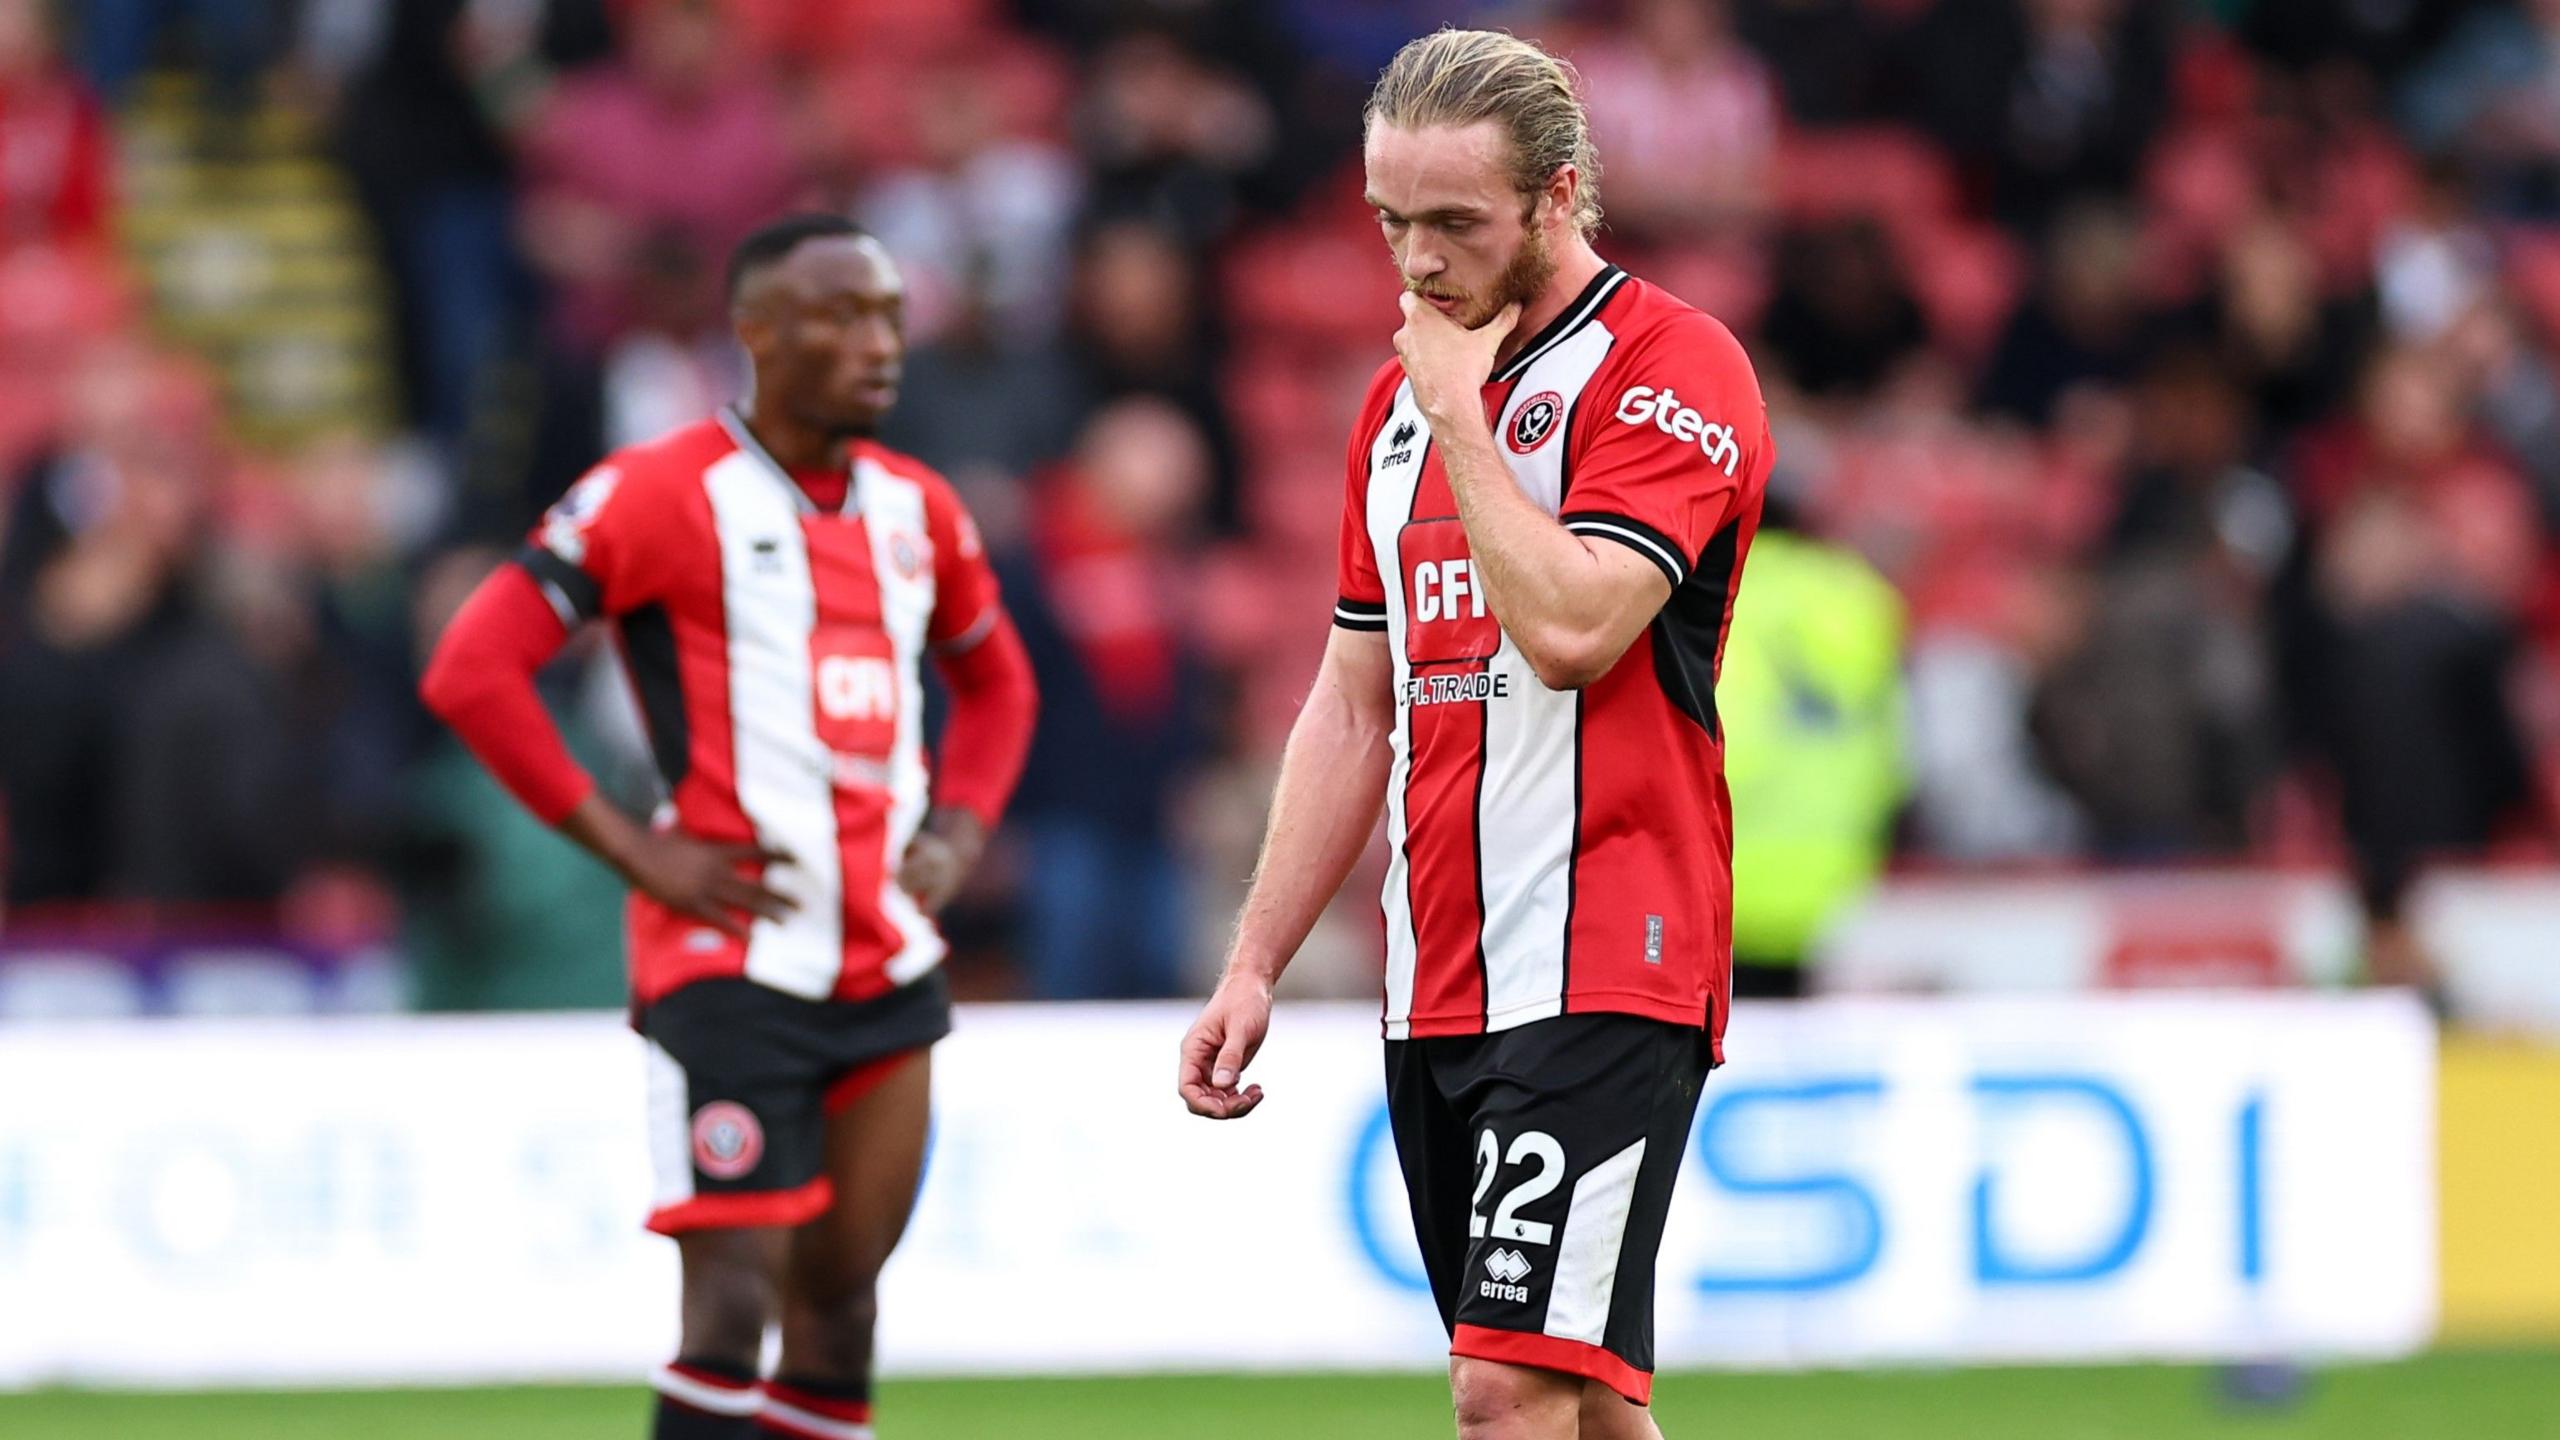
x,y
1662,408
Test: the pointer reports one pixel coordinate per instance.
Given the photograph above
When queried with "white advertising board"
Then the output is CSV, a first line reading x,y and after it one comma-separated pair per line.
x,y
1885,1180
2488,931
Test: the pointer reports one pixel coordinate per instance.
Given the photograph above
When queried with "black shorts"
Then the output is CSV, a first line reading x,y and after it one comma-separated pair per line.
x,y
742,1078
1540,1162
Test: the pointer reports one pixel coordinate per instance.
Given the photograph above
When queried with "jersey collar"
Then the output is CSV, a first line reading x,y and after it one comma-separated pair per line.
x,y
736,424
1574,317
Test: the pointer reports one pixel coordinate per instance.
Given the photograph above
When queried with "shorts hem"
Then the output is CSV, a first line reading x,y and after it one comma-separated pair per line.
x,y
746,1209
866,1077
1549,1352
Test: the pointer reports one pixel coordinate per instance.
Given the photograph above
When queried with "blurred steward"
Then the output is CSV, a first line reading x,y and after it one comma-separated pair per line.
x,y
1811,702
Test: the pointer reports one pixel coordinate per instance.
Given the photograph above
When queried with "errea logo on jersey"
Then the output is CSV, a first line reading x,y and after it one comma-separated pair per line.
x,y
1643,403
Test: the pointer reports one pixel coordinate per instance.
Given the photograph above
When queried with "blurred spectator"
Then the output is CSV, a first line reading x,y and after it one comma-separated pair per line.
x,y
1140,328
1686,118
1979,791
673,137
425,101
54,152
2293,349
1843,318
1101,595
983,407
982,210
2518,395
143,753
2435,264
2424,547
678,362
2054,99
332,601
2083,327
2162,720
1826,56
1170,138
2489,97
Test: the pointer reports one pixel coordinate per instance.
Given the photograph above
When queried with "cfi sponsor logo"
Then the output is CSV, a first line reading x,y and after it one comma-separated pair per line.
x,y
1642,405
727,1140
1535,420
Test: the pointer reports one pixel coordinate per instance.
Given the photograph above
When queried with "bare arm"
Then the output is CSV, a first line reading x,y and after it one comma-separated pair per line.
x,y
1333,780
1570,606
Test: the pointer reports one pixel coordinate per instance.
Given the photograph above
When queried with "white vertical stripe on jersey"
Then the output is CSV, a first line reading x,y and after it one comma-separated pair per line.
x,y
670,1129
1595,1232
786,781
892,507
1391,490
1526,803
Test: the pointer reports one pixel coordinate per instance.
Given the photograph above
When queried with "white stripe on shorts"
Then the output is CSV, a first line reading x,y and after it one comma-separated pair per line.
x,y
1595,1232
670,1129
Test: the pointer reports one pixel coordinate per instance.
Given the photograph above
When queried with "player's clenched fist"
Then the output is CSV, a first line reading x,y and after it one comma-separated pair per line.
x,y
1221,1043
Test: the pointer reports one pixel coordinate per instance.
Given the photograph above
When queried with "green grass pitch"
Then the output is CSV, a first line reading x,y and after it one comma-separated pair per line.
x,y
2458,1396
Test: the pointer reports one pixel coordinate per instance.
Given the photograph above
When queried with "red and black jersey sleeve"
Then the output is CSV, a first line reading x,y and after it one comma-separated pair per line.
x,y
965,604
592,551
1671,437
1361,595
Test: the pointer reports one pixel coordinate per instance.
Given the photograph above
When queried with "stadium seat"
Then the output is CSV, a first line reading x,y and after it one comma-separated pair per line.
x,y
1892,174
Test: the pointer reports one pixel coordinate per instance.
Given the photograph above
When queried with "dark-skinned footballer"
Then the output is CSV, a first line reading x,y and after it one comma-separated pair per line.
x,y
775,579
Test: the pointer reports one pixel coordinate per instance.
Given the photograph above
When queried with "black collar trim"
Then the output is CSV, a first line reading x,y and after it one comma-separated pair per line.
x,y
1561,328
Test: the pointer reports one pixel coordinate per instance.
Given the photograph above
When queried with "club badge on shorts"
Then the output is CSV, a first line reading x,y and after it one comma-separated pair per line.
x,y
727,1140
1535,420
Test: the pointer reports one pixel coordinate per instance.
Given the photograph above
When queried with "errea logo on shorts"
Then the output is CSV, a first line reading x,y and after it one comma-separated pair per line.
x,y
1508,1268
1662,408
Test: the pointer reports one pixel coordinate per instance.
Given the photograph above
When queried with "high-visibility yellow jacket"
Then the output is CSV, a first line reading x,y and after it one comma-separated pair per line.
x,y
1811,700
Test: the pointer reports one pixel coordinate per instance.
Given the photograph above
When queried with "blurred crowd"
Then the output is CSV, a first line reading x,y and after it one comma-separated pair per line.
x,y
2188,370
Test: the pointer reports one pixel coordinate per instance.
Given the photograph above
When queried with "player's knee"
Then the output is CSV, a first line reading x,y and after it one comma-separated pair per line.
x,y
1496,1401
726,1311
826,1330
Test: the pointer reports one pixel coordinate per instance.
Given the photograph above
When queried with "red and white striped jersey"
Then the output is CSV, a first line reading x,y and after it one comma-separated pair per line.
x,y
1565,851
775,649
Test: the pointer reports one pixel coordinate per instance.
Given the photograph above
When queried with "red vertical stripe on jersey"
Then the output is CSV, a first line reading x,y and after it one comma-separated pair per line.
x,y
848,595
1449,633
1650,918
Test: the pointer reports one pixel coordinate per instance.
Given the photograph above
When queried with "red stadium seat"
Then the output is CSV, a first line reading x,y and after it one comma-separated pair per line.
x,y
1892,174
1967,277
